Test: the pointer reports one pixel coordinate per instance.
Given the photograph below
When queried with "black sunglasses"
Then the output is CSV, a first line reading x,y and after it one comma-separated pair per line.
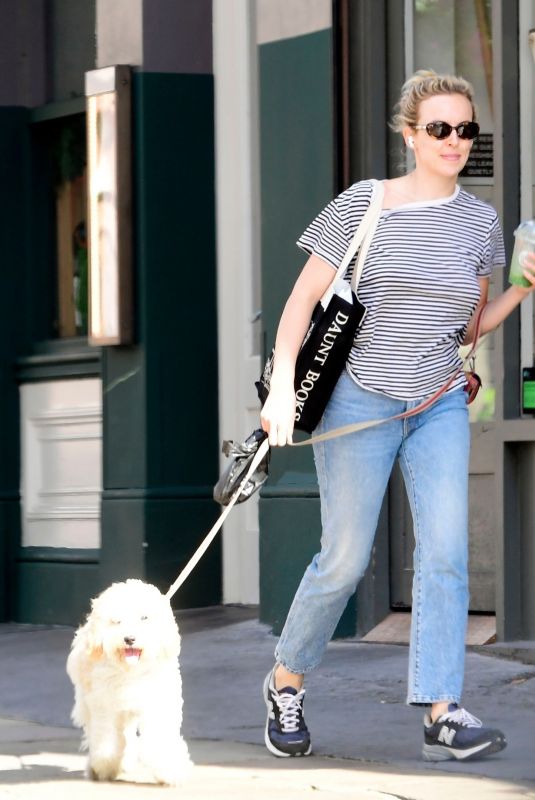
x,y
441,130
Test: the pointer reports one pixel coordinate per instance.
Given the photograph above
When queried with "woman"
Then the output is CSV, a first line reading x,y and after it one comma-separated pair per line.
x,y
425,279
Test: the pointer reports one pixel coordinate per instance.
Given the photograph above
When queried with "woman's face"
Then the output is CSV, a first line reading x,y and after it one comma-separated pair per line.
x,y
441,157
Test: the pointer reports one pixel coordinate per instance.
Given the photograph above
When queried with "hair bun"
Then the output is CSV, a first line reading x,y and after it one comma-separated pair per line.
x,y
422,74
417,78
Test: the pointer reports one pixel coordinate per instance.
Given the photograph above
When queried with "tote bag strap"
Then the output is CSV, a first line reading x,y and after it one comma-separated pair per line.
x,y
376,206
361,239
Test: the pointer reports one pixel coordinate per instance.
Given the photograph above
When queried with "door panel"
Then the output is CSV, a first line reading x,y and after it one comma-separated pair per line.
x,y
455,36
482,535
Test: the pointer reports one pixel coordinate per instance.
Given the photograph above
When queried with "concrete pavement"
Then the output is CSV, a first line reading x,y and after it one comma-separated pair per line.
x,y
366,740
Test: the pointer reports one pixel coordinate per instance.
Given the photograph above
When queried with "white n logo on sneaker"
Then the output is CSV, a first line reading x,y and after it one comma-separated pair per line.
x,y
446,735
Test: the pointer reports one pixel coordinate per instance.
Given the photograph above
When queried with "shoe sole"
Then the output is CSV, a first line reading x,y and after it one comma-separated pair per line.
x,y
438,752
269,744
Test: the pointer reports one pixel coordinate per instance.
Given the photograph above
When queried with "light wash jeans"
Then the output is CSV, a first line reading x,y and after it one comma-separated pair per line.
x,y
353,473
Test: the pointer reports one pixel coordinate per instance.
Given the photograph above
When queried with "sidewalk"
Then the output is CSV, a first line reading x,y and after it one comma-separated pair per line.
x,y
366,740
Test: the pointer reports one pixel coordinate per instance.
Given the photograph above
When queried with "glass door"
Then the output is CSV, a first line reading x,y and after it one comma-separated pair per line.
x,y
455,37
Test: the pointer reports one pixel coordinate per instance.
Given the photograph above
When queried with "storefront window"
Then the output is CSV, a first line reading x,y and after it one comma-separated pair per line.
x,y
455,37
65,148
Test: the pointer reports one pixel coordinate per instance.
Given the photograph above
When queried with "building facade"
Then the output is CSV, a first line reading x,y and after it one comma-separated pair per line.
x,y
110,453
247,118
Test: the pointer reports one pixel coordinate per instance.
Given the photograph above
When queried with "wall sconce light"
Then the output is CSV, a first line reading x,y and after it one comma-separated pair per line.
x,y
531,39
108,93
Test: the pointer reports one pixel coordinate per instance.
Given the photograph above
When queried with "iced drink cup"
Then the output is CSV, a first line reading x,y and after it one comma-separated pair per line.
x,y
524,244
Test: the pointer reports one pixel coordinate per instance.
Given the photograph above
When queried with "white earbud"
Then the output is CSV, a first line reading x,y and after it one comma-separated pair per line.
x,y
410,141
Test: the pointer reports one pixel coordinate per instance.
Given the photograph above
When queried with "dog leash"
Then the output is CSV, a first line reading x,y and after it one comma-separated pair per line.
x,y
344,430
203,547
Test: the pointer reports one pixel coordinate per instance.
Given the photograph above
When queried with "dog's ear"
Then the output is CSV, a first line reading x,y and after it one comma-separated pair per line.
x,y
96,653
92,640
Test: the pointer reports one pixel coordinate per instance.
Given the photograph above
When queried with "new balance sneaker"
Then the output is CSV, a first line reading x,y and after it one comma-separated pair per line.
x,y
286,732
459,735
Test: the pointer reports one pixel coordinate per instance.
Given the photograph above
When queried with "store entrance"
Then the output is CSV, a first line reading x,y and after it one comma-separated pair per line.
x,y
456,37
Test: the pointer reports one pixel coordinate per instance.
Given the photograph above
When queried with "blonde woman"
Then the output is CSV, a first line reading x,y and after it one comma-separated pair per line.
x,y
425,278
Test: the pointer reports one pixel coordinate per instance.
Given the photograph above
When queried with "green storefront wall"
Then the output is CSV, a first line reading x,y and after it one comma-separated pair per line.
x,y
160,398
297,181
14,251
160,409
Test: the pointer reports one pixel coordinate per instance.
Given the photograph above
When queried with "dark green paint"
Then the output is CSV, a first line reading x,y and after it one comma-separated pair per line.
x,y
55,593
296,173
160,396
297,181
160,409
9,545
38,585
59,359
14,181
55,584
284,557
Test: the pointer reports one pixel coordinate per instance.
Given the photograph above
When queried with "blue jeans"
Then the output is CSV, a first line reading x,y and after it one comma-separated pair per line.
x,y
353,473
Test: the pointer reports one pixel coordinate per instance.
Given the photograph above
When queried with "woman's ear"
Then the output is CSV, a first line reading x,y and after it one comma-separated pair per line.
x,y
408,137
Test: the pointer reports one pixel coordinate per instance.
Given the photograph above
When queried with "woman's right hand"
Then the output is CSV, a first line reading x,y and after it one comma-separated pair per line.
x,y
278,413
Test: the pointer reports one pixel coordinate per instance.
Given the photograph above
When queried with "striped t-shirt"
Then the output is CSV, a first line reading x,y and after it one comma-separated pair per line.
x,y
419,284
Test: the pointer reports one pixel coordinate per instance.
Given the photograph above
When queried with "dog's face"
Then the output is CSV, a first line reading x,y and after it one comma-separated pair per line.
x,y
131,623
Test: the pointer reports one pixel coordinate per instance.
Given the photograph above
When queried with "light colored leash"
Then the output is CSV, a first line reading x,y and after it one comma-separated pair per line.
x,y
203,547
322,437
362,240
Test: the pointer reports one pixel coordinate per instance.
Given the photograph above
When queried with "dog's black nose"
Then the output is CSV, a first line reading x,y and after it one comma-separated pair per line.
x,y
129,640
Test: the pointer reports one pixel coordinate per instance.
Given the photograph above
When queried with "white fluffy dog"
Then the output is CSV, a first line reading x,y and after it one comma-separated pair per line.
x,y
128,691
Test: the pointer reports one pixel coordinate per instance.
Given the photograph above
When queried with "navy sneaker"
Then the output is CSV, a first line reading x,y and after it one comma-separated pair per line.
x,y
459,735
286,732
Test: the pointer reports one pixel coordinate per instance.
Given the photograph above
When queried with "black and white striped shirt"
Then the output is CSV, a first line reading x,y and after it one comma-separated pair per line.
x,y
419,284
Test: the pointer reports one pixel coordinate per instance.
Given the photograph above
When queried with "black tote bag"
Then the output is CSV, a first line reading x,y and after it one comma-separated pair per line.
x,y
332,330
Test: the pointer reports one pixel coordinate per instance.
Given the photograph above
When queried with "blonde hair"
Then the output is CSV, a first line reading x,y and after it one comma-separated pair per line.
x,y
423,84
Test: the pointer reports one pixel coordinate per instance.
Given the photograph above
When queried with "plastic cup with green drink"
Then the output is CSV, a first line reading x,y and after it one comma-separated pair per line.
x,y
524,244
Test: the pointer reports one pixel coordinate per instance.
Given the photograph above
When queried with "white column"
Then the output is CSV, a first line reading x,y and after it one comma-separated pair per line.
x,y
238,270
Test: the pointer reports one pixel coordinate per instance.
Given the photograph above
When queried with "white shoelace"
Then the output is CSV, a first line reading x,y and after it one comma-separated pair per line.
x,y
290,709
462,717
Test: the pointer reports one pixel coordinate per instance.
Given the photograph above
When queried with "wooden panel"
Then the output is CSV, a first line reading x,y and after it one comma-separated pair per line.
x,y
61,463
70,211
395,629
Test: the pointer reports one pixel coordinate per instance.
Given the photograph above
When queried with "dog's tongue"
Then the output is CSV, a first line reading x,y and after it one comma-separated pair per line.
x,y
132,655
